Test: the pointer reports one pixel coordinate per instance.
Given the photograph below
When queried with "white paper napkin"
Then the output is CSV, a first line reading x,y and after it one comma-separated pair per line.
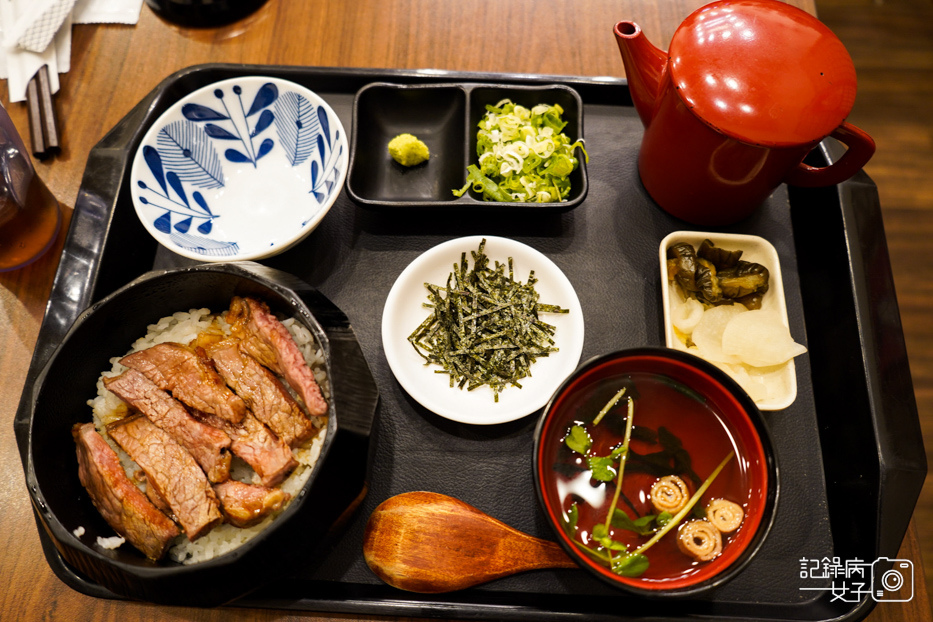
x,y
38,22
33,23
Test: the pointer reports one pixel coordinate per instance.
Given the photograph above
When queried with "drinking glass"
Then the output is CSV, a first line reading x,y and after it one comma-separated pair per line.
x,y
29,214
203,13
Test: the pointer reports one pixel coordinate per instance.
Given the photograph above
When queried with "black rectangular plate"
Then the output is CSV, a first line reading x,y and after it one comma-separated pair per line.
x,y
445,117
433,114
849,448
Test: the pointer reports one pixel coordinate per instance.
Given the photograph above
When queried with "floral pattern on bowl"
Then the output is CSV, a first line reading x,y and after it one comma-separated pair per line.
x,y
241,169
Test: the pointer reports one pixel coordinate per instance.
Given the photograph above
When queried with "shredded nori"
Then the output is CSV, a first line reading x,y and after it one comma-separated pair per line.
x,y
484,328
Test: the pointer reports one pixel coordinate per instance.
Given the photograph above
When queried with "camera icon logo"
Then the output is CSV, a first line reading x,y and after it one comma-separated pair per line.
x,y
892,580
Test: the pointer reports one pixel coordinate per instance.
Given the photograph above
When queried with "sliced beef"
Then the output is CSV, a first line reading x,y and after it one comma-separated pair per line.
x,y
244,505
173,472
207,444
266,339
257,446
156,497
189,377
262,391
119,501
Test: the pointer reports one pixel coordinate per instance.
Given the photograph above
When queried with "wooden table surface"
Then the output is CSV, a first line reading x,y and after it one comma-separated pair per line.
x,y
114,66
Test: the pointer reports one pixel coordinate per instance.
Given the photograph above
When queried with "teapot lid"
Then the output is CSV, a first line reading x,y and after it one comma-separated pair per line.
x,y
763,72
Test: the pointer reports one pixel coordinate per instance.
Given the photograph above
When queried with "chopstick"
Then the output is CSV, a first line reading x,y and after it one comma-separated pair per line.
x,y
43,123
34,108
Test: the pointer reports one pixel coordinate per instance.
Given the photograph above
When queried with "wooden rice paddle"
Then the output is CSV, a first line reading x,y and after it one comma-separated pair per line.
x,y
431,543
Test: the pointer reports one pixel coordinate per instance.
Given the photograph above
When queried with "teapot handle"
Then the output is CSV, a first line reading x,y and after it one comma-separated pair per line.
x,y
860,149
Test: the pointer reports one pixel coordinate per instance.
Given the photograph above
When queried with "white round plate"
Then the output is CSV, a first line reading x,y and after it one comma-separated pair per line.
x,y
404,313
240,169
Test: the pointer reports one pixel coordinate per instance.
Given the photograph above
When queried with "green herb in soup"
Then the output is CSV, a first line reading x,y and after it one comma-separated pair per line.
x,y
484,328
648,471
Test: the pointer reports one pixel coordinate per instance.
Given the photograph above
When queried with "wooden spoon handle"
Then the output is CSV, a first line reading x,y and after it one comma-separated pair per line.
x,y
431,543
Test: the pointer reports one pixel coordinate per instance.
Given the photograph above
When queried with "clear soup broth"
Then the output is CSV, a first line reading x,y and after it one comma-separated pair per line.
x,y
675,431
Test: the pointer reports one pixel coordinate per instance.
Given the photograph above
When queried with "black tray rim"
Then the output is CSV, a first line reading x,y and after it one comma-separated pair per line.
x,y
899,458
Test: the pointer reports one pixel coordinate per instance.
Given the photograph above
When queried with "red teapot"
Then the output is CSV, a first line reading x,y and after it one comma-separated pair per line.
x,y
746,90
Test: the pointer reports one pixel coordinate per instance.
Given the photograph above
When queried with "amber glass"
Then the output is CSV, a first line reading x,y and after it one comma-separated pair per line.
x,y
29,215
31,230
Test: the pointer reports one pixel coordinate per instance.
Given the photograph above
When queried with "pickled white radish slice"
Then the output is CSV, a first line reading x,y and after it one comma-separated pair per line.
x,y
685,314
709,332
759,338
755,387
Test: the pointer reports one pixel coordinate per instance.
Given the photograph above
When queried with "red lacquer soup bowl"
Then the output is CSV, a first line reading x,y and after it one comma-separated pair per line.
x,y
656,472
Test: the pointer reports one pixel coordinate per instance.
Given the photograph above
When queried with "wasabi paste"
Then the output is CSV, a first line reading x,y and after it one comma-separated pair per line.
x,y
408,150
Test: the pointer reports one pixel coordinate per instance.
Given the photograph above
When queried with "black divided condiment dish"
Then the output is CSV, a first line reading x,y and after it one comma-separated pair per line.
x,y
445,117
297,537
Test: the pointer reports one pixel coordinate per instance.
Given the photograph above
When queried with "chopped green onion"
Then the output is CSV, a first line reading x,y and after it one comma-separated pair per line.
x,y
523,155
481,183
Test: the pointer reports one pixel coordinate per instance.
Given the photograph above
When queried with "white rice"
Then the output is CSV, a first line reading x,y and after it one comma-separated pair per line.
x,y
183,328
113,542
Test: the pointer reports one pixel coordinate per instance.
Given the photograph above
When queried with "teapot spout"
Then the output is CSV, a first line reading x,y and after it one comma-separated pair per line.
x,y
644,66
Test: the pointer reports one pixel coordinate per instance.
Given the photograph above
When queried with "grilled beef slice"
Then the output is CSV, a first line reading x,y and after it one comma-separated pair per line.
x,y
207,444
266,339
262,391
244,505
156,497
257,446
119,501
190,378
172,471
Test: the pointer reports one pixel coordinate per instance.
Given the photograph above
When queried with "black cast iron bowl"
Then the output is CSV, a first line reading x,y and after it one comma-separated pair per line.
x,y
749,479
107,329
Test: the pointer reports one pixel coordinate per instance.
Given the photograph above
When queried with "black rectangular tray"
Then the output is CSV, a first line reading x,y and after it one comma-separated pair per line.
x,y
849,449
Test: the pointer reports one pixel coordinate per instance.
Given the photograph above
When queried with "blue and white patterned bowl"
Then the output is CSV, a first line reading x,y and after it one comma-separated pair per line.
x,y
241,169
